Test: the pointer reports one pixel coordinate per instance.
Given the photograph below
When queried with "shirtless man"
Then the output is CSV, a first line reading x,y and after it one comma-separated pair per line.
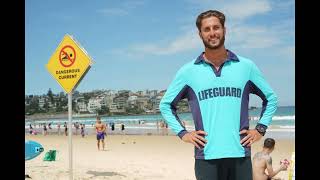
x,y
100,129
65,128
262,161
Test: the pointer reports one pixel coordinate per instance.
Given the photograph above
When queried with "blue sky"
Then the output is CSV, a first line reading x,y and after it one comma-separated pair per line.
x,y
140,44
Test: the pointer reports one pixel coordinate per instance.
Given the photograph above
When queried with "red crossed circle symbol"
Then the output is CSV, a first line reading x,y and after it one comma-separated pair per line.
x,y
67,56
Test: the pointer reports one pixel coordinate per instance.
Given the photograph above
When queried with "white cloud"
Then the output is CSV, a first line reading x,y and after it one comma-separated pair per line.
x,y
283,5
234,9
240,36
185,42
123,9
255,37
277,37
246,8
252,37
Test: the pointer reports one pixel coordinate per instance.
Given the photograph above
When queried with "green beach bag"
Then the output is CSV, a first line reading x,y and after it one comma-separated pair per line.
x,y
50,155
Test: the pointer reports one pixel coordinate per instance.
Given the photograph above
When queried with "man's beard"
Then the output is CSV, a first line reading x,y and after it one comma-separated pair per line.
x,y
209,46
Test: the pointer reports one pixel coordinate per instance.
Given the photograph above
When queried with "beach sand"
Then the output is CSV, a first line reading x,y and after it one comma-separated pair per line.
x,y
132,157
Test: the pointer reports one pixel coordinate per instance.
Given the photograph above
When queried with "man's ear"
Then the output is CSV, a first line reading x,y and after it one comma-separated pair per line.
x,y
224,30
200,34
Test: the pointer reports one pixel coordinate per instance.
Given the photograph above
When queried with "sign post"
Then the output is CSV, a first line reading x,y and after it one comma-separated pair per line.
x,y
68,65
70,135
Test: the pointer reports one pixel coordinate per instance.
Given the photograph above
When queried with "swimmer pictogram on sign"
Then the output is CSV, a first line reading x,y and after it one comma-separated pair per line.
x,y
67,56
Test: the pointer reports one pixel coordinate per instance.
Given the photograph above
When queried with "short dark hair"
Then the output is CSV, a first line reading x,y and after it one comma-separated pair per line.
x,y
269,143
98,117
208,14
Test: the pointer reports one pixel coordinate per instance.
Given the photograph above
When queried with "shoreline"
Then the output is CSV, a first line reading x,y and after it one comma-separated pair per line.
x,y
287,134
65,116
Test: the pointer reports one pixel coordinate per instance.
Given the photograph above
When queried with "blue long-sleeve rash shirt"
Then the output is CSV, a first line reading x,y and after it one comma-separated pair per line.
x,y
219,101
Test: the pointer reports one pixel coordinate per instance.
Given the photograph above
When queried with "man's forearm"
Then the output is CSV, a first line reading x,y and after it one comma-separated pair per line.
x,y
274,172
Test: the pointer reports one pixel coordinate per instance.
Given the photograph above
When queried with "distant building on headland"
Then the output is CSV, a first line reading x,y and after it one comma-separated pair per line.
x,y
99,102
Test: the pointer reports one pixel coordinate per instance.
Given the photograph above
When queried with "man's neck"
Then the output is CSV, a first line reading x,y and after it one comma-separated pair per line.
x,y
215,56
266,151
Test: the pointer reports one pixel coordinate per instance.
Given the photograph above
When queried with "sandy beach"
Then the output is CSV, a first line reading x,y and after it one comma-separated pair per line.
x,y
136,157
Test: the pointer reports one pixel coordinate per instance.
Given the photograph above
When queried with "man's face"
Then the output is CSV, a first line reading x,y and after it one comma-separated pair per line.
x,y
212,33
98,121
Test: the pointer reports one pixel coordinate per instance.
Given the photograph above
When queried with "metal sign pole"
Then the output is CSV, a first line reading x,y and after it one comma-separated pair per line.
x,y
70,134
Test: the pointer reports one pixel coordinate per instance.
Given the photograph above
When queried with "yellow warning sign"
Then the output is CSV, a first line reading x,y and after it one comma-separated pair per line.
x,y
69,63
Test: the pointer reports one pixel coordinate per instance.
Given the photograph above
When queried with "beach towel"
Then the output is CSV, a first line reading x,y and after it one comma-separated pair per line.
x,y
50,155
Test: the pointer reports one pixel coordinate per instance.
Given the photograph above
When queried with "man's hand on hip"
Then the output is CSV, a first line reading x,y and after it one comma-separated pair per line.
x,y
252,136
195,138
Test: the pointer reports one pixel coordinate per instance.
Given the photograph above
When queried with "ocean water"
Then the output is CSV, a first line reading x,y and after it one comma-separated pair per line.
x,y
281,127
284,118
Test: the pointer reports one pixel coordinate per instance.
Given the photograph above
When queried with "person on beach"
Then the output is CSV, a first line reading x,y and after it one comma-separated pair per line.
x,y
30,128
82,129
65,128
184,123
157,124
162,127
262,162
76,125
49,128
100,130
112,126
122,128
45,130
58,127
106,129
34,132
166,130
217,85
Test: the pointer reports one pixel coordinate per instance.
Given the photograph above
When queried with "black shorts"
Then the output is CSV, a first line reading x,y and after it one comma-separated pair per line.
x,y
224,169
